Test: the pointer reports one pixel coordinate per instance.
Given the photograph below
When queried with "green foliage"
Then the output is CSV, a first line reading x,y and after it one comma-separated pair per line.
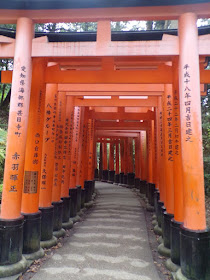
x,y
205,105
1,188
3,137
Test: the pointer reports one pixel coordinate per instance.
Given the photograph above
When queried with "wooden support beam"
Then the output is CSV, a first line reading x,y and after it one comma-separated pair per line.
x,y
137,82
115,93
123,116
108,134
101,125
111,89
158,76
150,102
165,47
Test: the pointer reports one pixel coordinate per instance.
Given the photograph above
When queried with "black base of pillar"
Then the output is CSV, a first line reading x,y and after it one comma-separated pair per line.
x,y
151,193
66,209
93,186
159,213
163,210
88,191
31,232
105,175
167,230
47,222
11,240
156,199
47,238
111,176
82,198
58,215
147,190
194,253
137,183
121,177
175,241
73,204
131,180
100,174
96,174
117,178
143,187
125,179
79,191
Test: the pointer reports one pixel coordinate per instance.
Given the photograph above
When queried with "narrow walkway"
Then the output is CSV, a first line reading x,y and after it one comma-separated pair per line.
x,y
111,244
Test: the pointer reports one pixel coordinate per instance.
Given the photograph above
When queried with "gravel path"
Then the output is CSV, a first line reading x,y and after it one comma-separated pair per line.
x,y
110,244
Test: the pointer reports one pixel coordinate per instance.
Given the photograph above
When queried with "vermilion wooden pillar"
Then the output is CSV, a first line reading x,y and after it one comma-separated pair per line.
x,y
74,192
169,155
168,168
125,155
150,154
191,132
48,147
67,146
111,162
160,196
75,146
154,151
18,121
47,166
15,153
33,152
85,148
178,169
59,141
104,156
194,238
105,163
111,155
163,154
137,167
158,116
81,151
101,161
122,151
66,164
58,165
80,163
143,162
30,196
117,157
94,165
90,148
130,155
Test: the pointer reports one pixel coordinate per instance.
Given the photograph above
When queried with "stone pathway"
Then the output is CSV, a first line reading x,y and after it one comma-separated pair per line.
x,y
110,244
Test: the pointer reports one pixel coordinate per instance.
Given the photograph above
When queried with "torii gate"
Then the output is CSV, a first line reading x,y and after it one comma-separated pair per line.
x,y
50,145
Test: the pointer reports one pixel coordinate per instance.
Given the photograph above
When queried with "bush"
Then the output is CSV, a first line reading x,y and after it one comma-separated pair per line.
x,y
3,137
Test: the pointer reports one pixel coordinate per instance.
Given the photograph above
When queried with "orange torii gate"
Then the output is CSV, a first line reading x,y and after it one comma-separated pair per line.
x,y
51,152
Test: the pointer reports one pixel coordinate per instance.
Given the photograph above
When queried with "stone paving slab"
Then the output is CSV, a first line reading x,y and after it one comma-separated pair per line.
x,y
110,244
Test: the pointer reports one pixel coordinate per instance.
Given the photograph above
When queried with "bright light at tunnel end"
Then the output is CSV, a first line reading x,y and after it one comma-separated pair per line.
x,y
97,97
133,97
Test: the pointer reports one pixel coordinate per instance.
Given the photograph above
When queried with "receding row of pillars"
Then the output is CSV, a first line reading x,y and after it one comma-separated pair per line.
x,y
50,161
173,152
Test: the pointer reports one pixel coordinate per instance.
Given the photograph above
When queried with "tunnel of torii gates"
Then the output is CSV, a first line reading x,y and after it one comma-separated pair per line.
x,y
151,94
